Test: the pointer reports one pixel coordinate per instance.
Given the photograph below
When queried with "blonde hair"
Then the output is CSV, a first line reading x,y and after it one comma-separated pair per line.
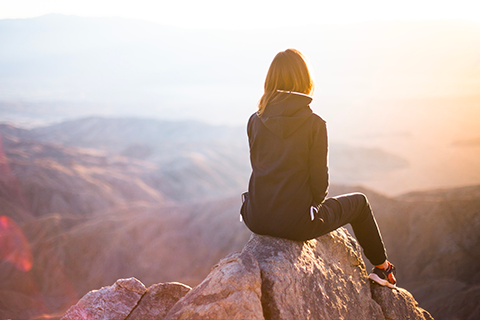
x,y
288,72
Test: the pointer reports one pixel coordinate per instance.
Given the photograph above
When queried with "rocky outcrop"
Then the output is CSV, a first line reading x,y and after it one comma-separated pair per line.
x,y
323,278
114,302
158,300
128,299
272,278
398,304
231,291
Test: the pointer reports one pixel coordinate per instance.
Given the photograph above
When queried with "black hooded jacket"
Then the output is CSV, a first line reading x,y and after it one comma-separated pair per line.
x,y
288,154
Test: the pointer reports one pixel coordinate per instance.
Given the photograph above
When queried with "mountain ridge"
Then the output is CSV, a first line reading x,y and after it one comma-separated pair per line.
x,y
178,239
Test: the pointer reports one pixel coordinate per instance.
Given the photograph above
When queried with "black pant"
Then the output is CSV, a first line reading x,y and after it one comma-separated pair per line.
x,y
338,211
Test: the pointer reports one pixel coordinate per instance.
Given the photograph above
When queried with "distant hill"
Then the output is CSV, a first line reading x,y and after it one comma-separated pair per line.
x,y
188,160
50,178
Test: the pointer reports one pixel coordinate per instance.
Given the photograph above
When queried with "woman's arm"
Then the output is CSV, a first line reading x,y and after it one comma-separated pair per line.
x,y
318,162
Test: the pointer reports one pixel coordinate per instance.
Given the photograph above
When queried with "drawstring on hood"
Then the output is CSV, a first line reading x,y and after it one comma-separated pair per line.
x,y
286,113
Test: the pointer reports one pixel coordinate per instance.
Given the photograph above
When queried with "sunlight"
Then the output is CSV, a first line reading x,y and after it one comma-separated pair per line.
x,y
247,14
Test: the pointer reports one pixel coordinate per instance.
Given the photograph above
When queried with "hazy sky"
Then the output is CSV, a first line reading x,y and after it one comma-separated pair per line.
x,y
248,13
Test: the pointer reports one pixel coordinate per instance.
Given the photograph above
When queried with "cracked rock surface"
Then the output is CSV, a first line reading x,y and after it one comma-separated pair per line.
x,y
272,278
114,302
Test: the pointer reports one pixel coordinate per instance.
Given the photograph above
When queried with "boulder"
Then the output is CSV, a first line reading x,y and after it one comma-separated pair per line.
x,y
272,278
128,299
231,291
158,300
323,278
113,303
398,304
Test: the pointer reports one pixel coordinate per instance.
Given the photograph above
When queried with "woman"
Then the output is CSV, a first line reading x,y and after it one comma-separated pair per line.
x,y
288,152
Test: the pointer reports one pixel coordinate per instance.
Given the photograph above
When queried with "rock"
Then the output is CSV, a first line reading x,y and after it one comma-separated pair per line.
x,y
323,278
231,291
158,300
128,299
398,304
112,303
272,278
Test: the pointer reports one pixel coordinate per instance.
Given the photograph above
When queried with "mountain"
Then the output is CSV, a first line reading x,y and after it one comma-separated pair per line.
x,y
71,202
48,178
193,160
157,155
436,236
78,218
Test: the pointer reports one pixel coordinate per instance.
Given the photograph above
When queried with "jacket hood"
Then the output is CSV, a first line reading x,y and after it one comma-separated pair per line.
x,y
286,113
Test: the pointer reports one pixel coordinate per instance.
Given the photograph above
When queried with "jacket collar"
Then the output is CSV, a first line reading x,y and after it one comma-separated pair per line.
x,y
293,92
286,112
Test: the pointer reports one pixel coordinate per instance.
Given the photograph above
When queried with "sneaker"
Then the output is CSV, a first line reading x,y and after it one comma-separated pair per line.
x,y
384,277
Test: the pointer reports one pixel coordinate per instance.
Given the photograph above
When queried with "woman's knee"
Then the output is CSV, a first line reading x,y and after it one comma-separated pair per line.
x,y
360,198
361,202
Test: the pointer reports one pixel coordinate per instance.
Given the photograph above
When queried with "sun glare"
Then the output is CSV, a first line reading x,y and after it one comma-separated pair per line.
x,y
14,247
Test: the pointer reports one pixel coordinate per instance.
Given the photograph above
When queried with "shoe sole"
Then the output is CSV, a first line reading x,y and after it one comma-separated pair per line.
x,y
380,281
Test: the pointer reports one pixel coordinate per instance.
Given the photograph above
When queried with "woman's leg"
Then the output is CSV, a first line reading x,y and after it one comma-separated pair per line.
x,y
354,209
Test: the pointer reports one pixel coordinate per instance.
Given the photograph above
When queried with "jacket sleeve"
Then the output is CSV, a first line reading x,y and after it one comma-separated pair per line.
x,y
318,163
249,129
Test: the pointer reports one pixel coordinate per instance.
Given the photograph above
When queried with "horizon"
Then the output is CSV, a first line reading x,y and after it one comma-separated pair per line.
x,y
410,89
